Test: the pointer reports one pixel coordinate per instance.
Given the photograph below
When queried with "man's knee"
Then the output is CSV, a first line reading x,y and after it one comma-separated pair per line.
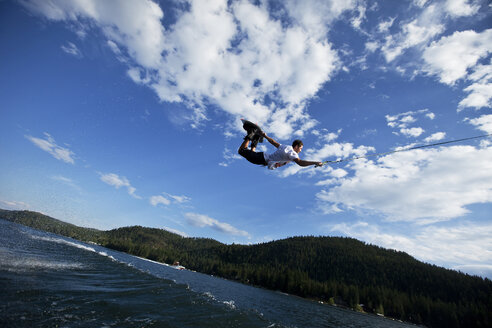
x,y
241,151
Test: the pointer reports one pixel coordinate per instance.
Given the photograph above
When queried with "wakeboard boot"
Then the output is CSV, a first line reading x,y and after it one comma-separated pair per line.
x,y
254,141
253,130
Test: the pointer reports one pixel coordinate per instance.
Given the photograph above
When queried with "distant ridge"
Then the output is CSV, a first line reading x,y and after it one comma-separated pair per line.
x,y
335,270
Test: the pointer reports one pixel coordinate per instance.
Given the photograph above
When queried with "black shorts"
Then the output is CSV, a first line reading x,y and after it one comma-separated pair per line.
x,y
252,156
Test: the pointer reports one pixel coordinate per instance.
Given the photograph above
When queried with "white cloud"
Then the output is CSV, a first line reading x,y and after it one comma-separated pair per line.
x,y
423,186
133,24
138,76
357,21
452,56
338,150
72,49
435,137
291,170
316,15
482,270
386,25
156,200
463,246
167,199
178,232
420,3
407,117
180,199
14,205
229,157
116,181
371,46
480,91
483,123
328,136
67,181
239,56
431,115
200,220
414,33
412,132
334,176
479,96
459,8
429,23
49,145
402,120
114,47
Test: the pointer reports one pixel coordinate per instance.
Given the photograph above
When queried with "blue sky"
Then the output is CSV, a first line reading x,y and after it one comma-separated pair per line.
x,y
118,113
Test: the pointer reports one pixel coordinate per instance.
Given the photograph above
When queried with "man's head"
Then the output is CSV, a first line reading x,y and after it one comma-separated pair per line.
x,y
297,145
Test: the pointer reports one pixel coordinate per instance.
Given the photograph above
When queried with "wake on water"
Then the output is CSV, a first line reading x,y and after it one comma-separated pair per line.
x,y
72,243
49,280
27,264
165,302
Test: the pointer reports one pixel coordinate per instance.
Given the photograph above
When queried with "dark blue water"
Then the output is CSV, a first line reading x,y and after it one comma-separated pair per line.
x,y
51,281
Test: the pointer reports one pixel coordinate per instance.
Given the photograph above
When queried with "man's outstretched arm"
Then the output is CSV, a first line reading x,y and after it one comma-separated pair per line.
x,y
302,162
270,140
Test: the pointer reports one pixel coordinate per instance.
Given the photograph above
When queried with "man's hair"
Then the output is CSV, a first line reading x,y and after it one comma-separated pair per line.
x,y
297,143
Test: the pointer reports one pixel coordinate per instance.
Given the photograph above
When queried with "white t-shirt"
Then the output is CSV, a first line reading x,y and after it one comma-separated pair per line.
x,y
284,154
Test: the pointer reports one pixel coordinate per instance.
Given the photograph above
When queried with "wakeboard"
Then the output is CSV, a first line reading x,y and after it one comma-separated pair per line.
x,y
251,127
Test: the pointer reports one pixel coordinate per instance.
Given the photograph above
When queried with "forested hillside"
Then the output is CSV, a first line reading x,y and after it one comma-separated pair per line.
x,y
335,270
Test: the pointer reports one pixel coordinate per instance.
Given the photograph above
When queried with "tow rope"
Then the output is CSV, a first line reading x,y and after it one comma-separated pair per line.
x,y
407,149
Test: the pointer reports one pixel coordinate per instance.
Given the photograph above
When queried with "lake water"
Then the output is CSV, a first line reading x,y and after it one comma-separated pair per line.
x,y
51,281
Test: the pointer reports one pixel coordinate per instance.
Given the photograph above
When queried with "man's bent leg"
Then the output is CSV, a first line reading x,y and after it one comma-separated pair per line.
x,y
252,157
243,145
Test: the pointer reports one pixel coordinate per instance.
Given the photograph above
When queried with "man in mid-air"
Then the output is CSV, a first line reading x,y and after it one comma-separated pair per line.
x,y
283,155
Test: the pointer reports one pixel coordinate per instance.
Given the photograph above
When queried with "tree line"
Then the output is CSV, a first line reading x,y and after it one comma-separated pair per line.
x,y
338,271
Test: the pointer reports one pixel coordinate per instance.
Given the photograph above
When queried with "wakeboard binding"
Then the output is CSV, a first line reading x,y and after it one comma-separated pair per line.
x,y
254,132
